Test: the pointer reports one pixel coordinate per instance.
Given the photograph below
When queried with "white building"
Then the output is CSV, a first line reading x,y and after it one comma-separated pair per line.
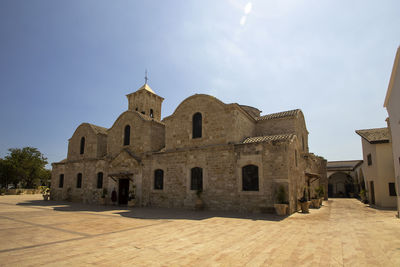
x,y
392,104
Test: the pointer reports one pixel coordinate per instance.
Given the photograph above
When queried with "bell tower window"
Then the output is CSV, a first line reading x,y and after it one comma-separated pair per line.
x,y
151,113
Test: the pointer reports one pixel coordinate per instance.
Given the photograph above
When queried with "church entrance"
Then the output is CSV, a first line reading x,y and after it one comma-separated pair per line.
x,y
123,192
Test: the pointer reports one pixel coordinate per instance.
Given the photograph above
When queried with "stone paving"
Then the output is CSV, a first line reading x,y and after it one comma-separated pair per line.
x,y
344,232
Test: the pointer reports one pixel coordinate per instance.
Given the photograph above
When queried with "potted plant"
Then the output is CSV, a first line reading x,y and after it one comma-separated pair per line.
x,y
104,195
304,203
2,191
363,195
131,197
46,193
282,206
315,202
199,202
319,190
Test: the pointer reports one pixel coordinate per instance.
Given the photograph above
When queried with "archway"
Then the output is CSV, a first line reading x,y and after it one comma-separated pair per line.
x,y
340,184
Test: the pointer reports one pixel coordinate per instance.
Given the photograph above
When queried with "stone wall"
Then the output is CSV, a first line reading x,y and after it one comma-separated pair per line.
x,y
219,123
91,143
145,135
222,176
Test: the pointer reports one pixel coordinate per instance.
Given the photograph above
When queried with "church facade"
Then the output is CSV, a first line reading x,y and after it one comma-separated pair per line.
x,y
235,157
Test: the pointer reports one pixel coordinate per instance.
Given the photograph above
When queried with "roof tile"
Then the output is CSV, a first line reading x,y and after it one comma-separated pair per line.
x,y
376,135
284,114
268,138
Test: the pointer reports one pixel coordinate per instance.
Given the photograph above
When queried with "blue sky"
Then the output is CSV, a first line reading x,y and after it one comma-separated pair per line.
x,y
67,62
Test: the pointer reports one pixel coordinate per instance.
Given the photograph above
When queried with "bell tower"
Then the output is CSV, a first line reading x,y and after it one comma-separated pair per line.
x,y
145,101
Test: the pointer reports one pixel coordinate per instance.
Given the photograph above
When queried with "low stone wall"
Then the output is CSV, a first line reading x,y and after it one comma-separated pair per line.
x,y
22,191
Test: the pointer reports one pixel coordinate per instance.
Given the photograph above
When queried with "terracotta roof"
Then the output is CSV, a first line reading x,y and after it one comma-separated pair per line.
x,y
377,135
268,138
343,165
98,129
284,114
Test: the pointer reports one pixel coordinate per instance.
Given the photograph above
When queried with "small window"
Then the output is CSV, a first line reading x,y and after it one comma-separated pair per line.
x,y
79,180
61,181
143,112
151,113
295,157
127,135
392,190
82,149
136,109
250,178
197,125
369,159
196,179
158,179
100,180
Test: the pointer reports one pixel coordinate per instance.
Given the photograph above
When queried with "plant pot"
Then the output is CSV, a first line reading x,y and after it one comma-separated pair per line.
x,y
131,203
46,197
315,203
320,201
305,206
199,204
281,209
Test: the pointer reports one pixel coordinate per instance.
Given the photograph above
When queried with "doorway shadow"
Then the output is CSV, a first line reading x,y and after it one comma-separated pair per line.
x,y
148,213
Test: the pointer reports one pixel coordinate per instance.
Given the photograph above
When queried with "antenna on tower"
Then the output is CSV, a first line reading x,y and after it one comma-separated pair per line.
x,y
145,77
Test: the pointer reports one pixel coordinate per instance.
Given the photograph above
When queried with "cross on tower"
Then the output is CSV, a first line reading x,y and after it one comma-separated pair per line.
x,y
145,77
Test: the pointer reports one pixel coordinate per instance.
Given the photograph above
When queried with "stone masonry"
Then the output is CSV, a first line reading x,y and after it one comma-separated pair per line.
x,y
232,137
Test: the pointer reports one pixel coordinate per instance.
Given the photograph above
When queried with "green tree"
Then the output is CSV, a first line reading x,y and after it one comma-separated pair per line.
x,y
27,166
7,175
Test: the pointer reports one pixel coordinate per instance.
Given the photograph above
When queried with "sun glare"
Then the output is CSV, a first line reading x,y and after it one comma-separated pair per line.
x,y
247,8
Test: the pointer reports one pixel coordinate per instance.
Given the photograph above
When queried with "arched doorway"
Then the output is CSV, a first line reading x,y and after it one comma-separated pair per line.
x,y
340,184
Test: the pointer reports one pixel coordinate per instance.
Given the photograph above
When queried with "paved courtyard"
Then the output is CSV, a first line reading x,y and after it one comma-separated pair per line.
x,y
344,232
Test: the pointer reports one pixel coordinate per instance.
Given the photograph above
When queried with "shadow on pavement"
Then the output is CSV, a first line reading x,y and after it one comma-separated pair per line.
x,y
150,213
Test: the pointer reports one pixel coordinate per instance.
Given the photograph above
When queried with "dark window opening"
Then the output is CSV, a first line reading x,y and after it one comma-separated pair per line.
x,y
143,112
151,113
100,180
61,181
392,190
197,125
136,109
82,149
369,159
127,135
250,178
196,179
158,179
79,180
295,157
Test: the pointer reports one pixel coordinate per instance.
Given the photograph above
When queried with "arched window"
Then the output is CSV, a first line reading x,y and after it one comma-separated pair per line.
x,y
127,135
158,179
196,179
250,178
82,149
151,113
61,181
197,124
295,157
79,180
100,180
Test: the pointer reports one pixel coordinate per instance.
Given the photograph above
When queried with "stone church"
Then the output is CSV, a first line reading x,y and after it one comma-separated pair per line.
x,y
235,156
